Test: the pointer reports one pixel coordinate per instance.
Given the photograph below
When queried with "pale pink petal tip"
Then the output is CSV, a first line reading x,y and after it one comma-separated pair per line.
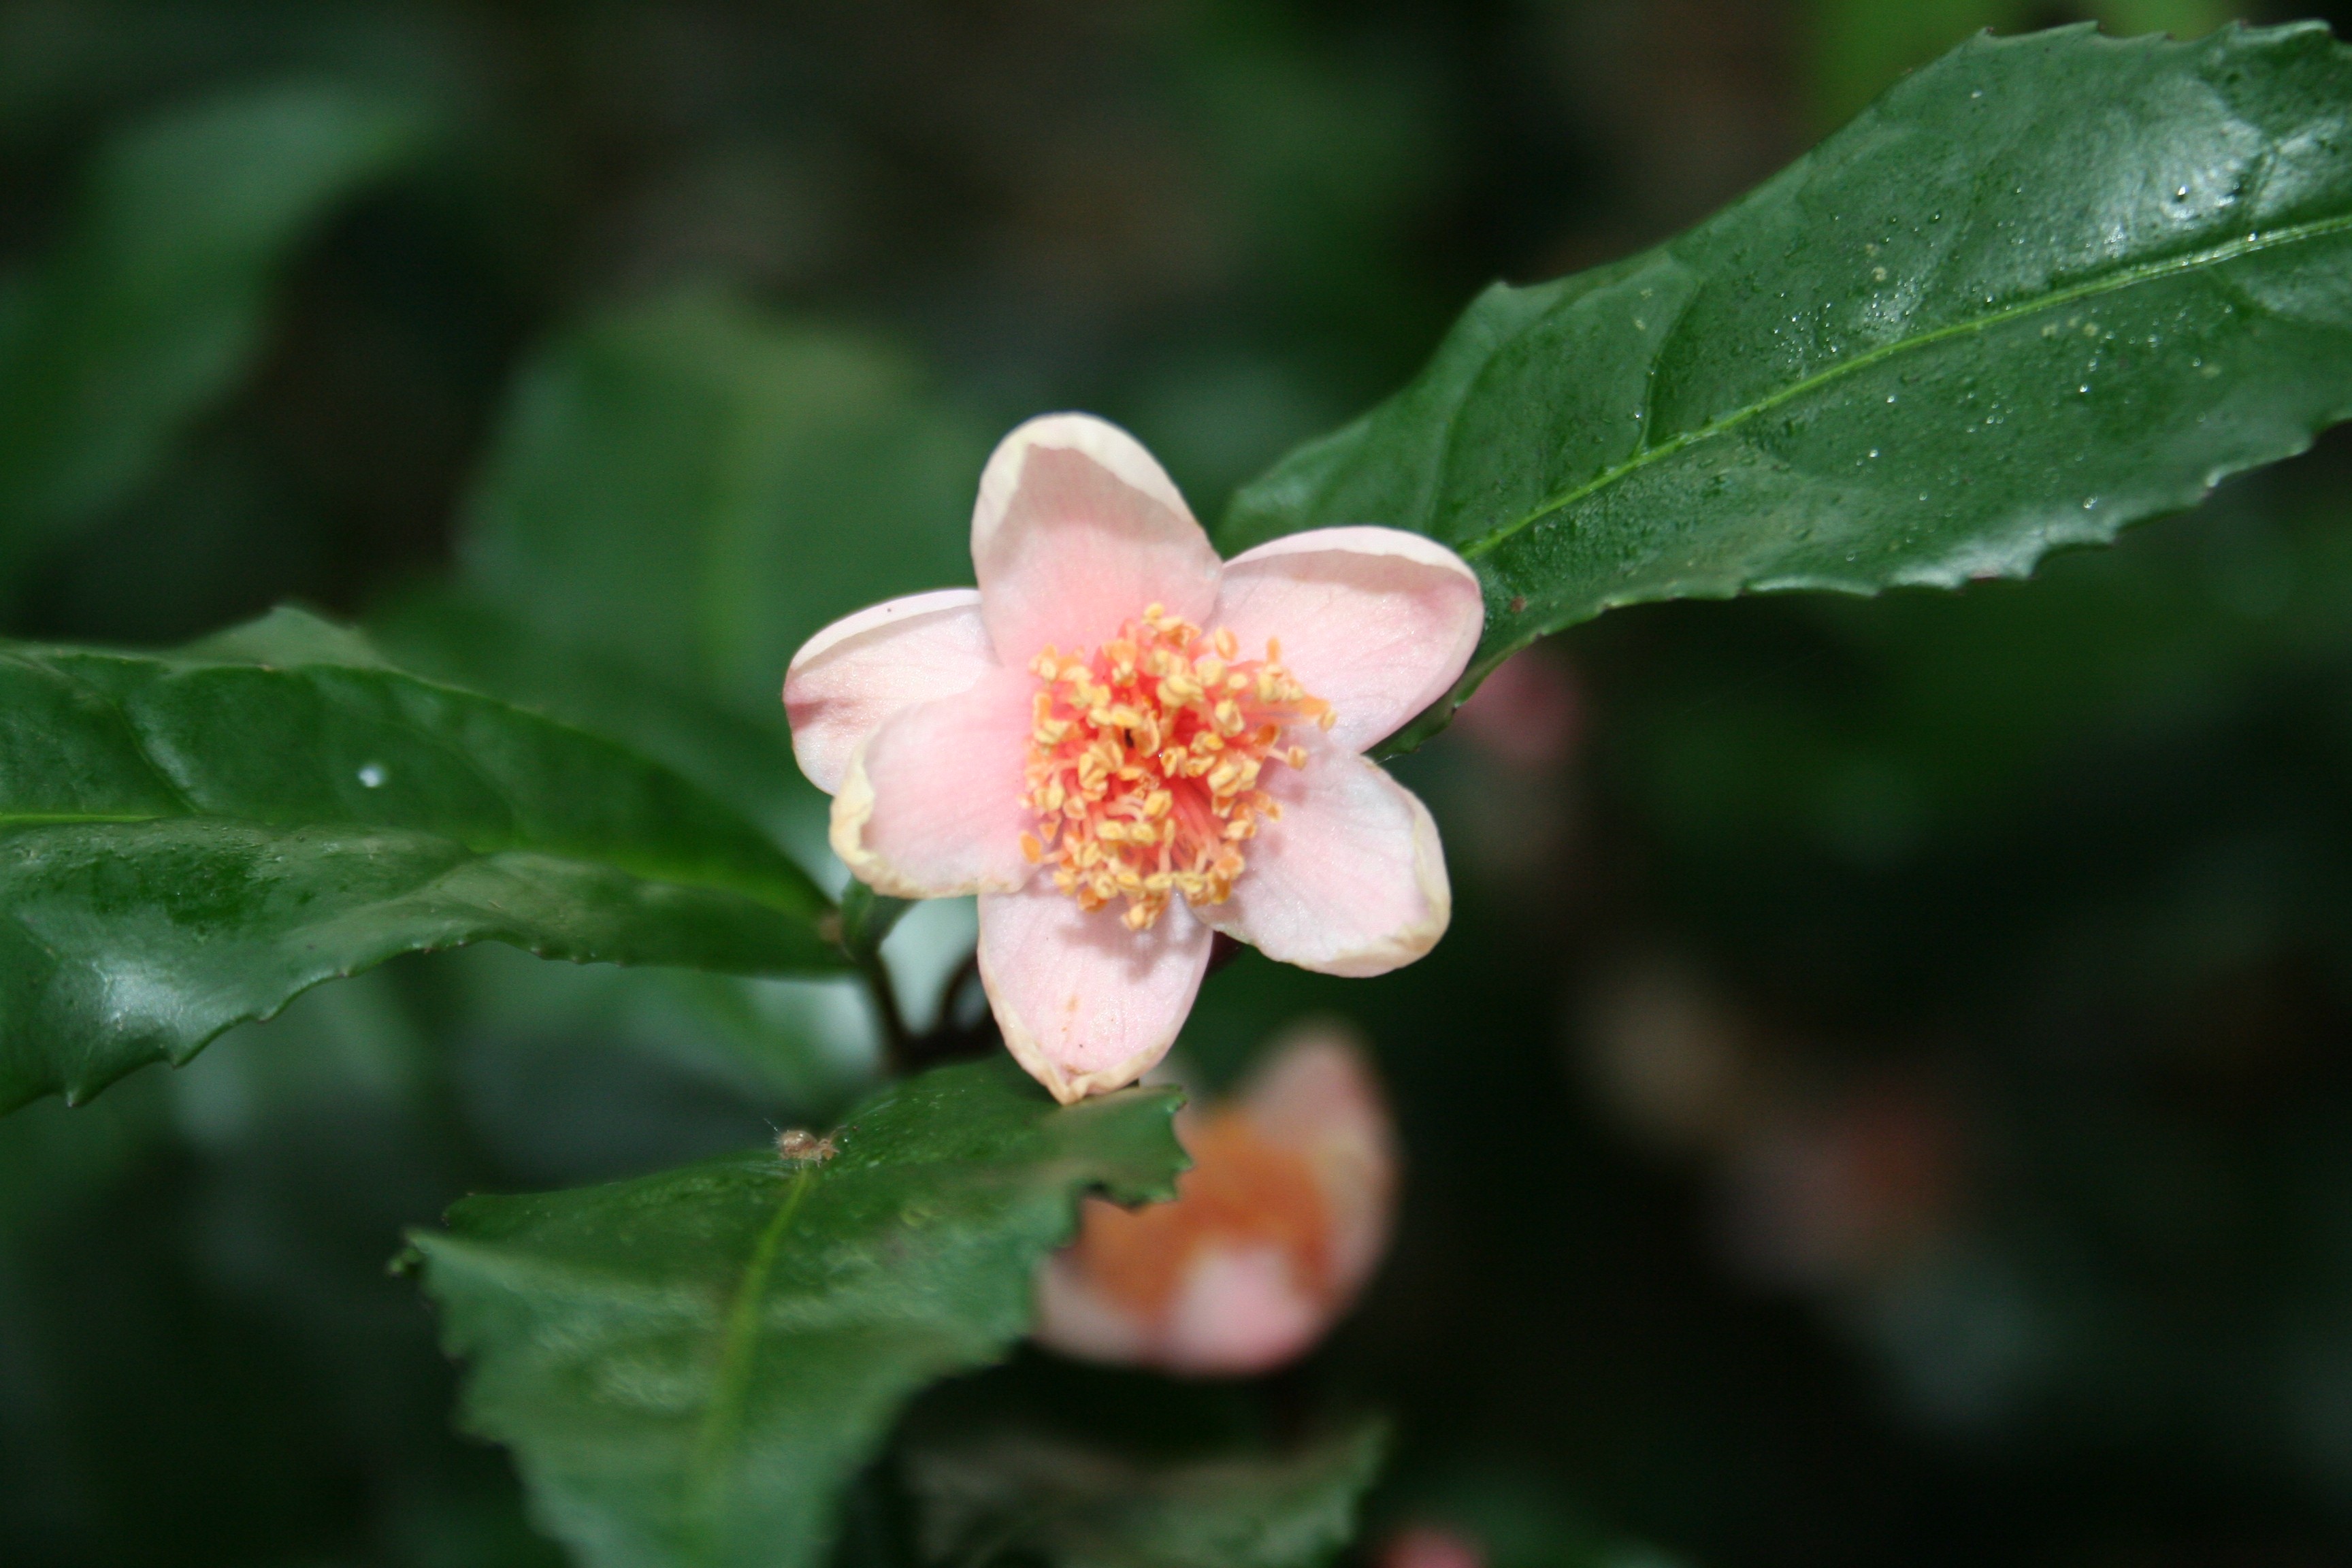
x,y
1086,1005
1241,1310
1076,530
868,667
1074,1318
1377,622
1350,881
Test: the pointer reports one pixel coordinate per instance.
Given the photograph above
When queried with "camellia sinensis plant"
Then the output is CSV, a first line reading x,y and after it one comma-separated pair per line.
x,y
2044,289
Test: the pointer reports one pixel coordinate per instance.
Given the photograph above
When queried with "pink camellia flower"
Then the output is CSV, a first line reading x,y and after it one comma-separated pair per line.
x,y
1122,744
1278,1224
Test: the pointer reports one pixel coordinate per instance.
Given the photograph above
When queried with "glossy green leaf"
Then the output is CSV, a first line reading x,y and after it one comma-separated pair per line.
x,y
2043,288
689,1366
697,485
795,1039
154,303
1015,1497
467,640
1857,48
867,916
187,841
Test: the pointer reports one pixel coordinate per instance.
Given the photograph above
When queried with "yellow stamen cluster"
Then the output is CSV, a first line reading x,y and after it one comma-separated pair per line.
x,y
1144,760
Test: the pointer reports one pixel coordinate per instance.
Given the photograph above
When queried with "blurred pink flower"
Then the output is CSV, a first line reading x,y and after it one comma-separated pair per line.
x,y
1116,716
1279,1223
1837,1190
1430,1546
1527,714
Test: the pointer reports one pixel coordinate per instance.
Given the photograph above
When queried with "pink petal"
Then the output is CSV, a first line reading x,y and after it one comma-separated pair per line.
x,y
1240,1310
1086,1004
929,807
1077,530
1074,1317
1377,622
1317,1095
859,672
1237,1310
1350,881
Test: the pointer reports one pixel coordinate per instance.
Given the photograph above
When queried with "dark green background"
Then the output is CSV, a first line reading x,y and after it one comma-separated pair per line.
x,y
2020,1226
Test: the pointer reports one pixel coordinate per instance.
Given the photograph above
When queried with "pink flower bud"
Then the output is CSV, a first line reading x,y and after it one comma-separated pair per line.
x,y
1277,1225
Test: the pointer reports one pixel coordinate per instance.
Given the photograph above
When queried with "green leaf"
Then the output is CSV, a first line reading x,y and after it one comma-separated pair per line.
x,y
867,918
153,305
1858,47
690,1366
2044,288
796,1039
287,636
187,841
1019,1497
467,640
697,485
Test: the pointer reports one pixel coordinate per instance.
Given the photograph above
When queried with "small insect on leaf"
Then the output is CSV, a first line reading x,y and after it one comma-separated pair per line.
x,y
803,1147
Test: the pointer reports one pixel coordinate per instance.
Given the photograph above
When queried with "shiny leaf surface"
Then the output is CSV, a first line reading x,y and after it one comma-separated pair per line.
x,y
2043,288
689,1365
187,841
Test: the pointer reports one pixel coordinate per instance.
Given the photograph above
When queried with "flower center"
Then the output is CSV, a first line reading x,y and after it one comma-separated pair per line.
x,y
1144,758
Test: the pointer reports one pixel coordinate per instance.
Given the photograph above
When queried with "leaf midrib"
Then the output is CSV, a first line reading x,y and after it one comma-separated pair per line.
x,y
657,869
739,1348
2116,283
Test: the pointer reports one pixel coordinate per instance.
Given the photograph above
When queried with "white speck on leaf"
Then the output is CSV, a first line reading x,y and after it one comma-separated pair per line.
x,y
799,1146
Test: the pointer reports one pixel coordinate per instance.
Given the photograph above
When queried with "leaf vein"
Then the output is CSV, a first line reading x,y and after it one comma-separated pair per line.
x,y
2116,283
738,1350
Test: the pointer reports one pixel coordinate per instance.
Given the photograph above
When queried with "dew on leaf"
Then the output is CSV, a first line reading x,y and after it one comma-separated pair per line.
x,y
371,777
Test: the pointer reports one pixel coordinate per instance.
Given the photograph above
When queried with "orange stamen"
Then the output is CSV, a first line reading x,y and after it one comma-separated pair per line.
x,y
1145,757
